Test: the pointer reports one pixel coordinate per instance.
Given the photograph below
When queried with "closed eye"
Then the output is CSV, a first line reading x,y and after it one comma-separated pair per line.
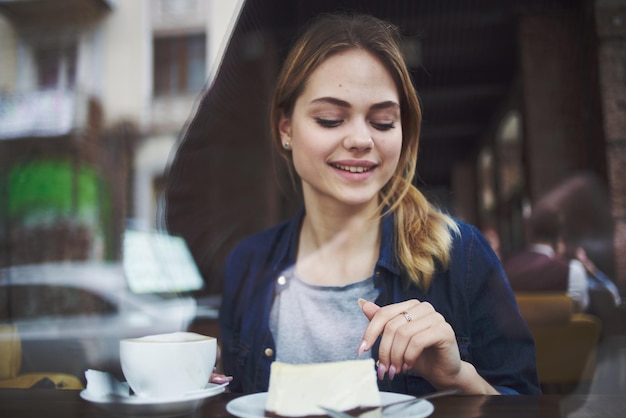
x,y
328,123
383,126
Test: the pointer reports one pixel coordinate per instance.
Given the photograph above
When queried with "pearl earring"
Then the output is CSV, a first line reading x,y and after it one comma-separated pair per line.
x,y
287,145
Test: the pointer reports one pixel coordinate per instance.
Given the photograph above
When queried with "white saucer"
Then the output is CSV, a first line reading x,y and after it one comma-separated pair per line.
x,y
253,406
152,407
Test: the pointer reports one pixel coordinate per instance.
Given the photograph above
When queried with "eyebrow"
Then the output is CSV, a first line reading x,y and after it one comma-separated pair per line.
x,y
342,103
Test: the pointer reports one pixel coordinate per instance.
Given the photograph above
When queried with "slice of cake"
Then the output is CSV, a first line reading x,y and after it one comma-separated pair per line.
x,y
296,390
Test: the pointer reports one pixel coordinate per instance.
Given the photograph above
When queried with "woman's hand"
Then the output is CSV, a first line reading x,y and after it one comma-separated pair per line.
x,y
218,378
418,338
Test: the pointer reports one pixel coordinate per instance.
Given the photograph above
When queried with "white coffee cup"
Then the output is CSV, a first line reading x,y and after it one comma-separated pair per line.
x,y
168,365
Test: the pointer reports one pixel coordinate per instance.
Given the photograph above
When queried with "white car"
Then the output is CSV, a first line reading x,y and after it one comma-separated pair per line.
x,y
71,316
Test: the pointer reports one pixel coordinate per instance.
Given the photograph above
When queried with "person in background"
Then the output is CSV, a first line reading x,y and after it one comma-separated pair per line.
x,y
597,280
540,267
434,307
604,299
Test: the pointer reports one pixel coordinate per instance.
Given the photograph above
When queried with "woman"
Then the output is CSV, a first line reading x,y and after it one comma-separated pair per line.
x,y
434,308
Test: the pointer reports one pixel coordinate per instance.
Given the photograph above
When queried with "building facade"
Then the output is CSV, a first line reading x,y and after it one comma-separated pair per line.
x,y
93,97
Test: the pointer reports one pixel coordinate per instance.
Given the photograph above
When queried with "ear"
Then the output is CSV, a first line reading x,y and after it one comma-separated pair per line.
x,y
284,128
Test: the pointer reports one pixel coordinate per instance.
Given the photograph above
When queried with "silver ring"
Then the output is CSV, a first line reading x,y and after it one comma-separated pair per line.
x,y
407,316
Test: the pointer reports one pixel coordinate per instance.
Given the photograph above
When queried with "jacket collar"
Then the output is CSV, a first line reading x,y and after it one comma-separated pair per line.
x,y
286,250
387,254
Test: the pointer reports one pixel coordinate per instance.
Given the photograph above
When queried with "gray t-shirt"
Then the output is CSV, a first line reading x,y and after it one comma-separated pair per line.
x,y
313,324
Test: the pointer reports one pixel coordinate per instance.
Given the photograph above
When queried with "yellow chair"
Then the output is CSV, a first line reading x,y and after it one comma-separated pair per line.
x,y
11,363
565,340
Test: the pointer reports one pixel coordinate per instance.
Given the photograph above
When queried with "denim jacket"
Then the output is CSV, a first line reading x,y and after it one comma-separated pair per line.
x,y
473,295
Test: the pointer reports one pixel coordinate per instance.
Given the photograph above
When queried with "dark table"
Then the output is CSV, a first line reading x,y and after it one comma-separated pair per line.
x,y
55,403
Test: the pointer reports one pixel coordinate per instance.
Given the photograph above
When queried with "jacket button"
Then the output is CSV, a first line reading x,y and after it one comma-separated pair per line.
x,y
282,280
269,352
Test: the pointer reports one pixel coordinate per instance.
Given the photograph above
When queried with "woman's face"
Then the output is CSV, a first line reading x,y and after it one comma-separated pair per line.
x,y
345,131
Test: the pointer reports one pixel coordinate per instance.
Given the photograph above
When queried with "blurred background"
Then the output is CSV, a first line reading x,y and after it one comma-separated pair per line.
x,y
135,151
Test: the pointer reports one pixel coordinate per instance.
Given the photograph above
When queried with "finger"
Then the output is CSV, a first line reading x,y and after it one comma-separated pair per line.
x,y
400,332
381,316
368,308
220,379
411,340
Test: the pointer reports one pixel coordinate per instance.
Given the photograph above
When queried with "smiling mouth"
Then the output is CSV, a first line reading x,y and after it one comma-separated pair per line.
x,y
352,169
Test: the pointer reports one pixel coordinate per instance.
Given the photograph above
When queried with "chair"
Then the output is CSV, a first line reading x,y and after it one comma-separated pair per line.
x,y
11,363
565,340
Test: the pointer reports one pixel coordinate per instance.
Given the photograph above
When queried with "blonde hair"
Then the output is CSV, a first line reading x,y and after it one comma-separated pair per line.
x,y
423,233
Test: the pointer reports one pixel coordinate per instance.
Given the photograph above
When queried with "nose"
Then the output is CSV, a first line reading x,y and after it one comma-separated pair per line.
x,y
359,137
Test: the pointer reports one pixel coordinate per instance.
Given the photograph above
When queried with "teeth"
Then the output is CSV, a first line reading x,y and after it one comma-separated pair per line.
x,y
352,169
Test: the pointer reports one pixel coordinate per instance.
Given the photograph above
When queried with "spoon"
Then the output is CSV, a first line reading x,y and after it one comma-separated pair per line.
x,y
334,413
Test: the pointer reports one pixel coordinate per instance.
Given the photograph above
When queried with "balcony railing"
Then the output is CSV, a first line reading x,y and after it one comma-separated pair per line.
x,y
41,114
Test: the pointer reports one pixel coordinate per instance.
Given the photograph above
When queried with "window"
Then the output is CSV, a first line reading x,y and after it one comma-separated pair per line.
x,y
179,64
56,66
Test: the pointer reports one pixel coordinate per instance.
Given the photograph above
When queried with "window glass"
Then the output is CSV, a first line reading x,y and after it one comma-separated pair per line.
x,y
179,64
56,66
41,301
